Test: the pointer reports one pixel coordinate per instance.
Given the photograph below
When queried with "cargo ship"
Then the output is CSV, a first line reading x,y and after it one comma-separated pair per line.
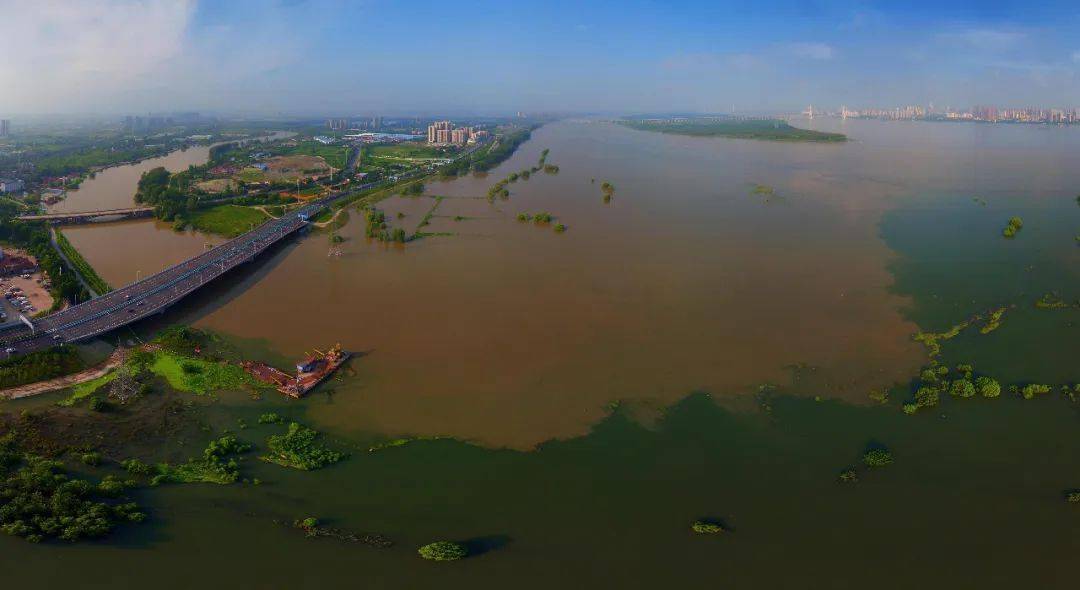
x,y
309,372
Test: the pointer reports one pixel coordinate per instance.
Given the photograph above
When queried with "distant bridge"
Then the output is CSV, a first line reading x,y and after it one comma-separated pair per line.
x,y
87,216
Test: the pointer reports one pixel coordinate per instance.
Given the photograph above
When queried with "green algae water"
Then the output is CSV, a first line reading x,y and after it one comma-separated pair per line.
x,y
741,336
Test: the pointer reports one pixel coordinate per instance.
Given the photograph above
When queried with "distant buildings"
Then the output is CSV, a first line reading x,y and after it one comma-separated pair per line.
x,y
985,113
337,124
444,133
11,185
5,127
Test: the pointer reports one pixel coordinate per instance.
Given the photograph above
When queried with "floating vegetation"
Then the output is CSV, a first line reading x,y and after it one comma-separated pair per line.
x,y
443,551
880,396
1052,301
707,527
313,529
979,200
1015,223
298,448
270,418
551,169
994,321
1072,496
542,217
763,189
849,475
400,442
524,217
543,157
933,340
560,228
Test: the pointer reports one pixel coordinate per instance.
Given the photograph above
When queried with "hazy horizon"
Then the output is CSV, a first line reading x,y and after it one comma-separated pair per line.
x,y
327,56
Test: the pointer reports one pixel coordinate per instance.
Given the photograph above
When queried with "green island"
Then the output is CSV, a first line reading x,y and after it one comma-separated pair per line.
x,y
763,129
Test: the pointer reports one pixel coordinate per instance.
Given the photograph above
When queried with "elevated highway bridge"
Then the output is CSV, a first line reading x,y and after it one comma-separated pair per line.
x,y
156,292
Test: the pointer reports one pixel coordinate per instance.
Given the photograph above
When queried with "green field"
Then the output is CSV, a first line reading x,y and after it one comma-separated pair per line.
x,y
771,129
408,150
334,155
227,220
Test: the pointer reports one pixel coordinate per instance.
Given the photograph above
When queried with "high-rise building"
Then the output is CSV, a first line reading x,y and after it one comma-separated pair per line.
x,y
337,124
5,127
433,135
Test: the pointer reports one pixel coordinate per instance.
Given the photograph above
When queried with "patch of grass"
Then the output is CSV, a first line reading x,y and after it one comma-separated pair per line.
x,y
227,220
86,389
200,376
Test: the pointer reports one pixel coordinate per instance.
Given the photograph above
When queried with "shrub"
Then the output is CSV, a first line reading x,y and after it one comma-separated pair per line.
x,y
988,387
443,551
92,459
962,388
270,418
877,458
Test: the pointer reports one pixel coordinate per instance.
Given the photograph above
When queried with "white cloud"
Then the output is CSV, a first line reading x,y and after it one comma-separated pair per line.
x,y
75,50
812,50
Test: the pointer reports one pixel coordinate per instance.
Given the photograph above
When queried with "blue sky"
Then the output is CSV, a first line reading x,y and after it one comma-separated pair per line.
x,y
333,56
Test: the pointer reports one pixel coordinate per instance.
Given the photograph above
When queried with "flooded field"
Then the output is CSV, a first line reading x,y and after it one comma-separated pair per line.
x,y
740,299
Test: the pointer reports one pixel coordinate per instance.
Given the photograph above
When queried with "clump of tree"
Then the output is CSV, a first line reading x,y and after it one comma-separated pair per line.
x,y
543,217
849,475
551,169
38,366
1014,225
1031,390
218,464
168,193
38,501
988,387
299,448
560,228
443,551
524,217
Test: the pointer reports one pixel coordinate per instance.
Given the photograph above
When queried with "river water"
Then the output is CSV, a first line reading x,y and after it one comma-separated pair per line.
x,y
682,297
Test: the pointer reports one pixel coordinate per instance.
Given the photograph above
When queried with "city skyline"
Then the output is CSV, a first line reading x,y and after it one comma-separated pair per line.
x,y
324,56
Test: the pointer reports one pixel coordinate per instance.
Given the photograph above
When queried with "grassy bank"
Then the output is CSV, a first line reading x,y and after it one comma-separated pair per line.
x,y
83,267
227,220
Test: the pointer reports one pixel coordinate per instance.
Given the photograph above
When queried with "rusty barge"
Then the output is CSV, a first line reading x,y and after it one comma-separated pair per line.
x,y
314,369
